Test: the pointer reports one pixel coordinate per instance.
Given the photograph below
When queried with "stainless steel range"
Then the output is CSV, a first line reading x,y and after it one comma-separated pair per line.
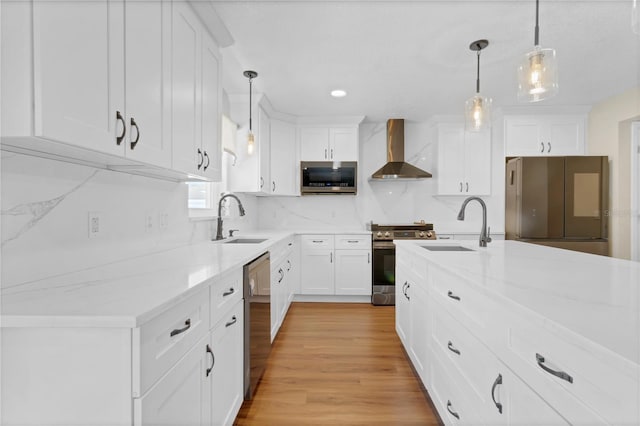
x,y
384,256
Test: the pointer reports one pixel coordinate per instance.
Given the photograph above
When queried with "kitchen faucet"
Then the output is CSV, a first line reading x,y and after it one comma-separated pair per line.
x,y
484,235
219,230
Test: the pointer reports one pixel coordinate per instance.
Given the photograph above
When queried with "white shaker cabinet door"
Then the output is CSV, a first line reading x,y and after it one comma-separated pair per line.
x,y
148,80
343,144
186,73
451,162
317,272
283,159
78,73
183,395
314,144
353,272
211,118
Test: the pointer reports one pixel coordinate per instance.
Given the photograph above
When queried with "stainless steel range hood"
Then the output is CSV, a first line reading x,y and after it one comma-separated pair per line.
x,y
396,168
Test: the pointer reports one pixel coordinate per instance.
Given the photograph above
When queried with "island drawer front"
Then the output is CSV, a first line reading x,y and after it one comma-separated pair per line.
x,y
448,398
225,293
605,383
346,242
159,350
314,242
466,304
465,356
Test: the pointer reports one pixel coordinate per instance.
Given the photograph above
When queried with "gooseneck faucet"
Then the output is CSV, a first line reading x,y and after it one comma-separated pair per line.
x,y
484,235
219,230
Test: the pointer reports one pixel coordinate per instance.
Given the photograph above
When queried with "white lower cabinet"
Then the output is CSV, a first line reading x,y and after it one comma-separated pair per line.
x,y
183,395
335,265
479,365
284,282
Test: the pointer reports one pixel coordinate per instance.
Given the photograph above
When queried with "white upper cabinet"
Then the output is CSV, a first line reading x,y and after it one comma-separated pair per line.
x,y
464,161
196,96
78,64
283,168
321,143
128,85
148,81
538,135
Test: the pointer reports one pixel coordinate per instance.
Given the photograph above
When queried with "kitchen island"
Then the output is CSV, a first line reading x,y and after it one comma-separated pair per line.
x,y
519,333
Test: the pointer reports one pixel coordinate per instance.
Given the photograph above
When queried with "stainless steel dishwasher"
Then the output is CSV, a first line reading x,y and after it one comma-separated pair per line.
x,y
257,321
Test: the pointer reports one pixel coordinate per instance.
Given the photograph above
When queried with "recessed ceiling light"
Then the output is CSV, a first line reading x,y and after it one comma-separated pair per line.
x,y
338,93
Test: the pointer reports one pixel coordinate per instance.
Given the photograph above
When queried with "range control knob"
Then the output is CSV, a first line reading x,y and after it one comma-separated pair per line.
x,y
429,234
421,234
387,234
379,234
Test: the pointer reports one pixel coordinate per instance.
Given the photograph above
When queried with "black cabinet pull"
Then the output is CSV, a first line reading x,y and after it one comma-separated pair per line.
x,y
453,413
201,158
406,290
541,146
228,293
261,182
460,186
452,348
325,154
207,157
187,325
548,146
124,128
213,360
288,263
273,183
560,374
467,186
332,153
281,272
134,124
493,391
453,296
233,321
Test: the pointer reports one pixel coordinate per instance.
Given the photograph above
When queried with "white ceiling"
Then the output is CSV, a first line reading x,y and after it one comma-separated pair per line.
x,y
411,59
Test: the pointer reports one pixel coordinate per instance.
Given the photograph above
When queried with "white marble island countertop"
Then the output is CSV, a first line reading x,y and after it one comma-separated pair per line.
x,y
126,293
594,297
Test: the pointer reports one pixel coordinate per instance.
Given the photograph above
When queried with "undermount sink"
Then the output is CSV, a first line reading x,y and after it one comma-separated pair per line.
x,y
446,248
246,241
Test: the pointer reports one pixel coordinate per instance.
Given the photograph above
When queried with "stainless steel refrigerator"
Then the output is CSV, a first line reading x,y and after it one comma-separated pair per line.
x,y
558,201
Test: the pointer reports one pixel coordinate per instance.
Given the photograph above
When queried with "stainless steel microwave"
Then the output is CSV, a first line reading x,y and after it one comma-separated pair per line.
x,y
328,177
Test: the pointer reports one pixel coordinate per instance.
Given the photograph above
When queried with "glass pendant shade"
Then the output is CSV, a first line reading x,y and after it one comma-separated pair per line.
x,y
538,75
635,18
477,113
251,143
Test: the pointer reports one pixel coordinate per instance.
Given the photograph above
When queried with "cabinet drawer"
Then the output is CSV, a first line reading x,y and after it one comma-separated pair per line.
x,y
353,242
225,292
314,242
468,358
459,298
167,337
605,383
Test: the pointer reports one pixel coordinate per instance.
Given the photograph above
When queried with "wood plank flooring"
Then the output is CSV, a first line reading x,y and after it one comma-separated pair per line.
x,y
338,364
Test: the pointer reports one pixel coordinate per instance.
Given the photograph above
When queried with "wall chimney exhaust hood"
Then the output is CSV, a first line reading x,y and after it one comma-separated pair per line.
x,y
396,168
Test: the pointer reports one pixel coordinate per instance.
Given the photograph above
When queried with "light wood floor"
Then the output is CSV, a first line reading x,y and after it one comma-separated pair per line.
x,y
338,364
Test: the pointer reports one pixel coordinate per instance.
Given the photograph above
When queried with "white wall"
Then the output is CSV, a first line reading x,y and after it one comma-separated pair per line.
x,y
609,133
44,219
389,201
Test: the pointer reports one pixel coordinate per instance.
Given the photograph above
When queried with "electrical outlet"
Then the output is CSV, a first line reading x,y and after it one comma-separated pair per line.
x,y
163,221
148,222
95,224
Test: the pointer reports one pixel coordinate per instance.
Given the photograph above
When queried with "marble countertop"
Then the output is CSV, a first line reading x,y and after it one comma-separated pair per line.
x,y
126,293
595,297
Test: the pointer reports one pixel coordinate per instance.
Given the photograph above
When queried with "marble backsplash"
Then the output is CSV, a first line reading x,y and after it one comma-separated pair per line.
x,y
388,201
45,213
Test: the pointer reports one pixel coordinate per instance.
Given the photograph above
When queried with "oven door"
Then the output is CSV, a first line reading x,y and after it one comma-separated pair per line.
x,y
384,273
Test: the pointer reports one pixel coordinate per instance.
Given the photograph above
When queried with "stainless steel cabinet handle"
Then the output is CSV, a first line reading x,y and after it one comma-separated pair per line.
x,y
452,348
135,142
201,158
273,186
213,360
453,413
317,241
453,296
460,186
330,257
467,189
228,293
233,321
541,146
560,374
493,390
207,157
187,326
288,263
444,238
124,128
368,257
332,153
548,146
261,182
325,154
352,241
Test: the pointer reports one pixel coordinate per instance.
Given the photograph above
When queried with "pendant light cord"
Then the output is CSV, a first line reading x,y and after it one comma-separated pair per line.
x,y
478,75
250,86
536,41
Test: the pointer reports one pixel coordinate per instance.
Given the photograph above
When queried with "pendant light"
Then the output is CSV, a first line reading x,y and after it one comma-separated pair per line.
x,y
250,138
538,72
635,17
477,109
